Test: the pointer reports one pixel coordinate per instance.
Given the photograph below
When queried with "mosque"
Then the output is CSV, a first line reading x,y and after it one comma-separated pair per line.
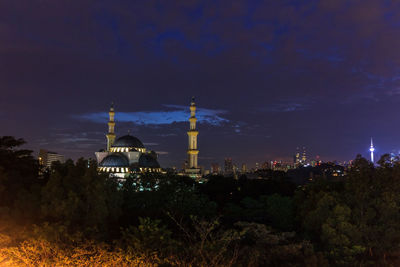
x,y
125,155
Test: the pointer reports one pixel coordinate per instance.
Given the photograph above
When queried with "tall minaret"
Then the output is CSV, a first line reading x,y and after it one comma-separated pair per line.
x,y
372,149
111,125
192,134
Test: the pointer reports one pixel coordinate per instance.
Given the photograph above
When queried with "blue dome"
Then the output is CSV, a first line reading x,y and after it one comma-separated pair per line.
x,y
148,161
128,141
115,160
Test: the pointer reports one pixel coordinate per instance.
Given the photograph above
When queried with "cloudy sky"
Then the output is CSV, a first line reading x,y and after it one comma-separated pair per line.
x,y
268,76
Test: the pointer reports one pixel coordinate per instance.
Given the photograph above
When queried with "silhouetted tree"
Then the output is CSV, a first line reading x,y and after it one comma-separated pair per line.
x,y
19,183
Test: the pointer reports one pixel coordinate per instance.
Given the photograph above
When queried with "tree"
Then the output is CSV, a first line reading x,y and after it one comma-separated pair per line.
x,y
280,211
358,221
154,195
79,199
373,194
341,238
149,240
19,181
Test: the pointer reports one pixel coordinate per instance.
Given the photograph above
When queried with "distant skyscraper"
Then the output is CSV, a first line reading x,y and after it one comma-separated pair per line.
x,y
235,171
372,149
215,169
265,165
228,166
296,158
185,165
318,160
304,156
244,168
235,168
46,158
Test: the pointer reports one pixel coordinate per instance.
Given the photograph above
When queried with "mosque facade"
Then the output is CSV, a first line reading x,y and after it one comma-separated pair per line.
x,y
125,155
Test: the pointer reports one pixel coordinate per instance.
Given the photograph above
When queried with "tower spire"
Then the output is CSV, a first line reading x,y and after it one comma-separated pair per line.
x,y
111,125
372,149
192,134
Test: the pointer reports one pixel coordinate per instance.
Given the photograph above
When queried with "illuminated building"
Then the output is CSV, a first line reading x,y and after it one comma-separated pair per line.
x,y
304,157
185,165
235,171
298,161
125,155
46,158
316,162
265,165
228,166
215,168
193,170
280,166
372,149
244,168
297,158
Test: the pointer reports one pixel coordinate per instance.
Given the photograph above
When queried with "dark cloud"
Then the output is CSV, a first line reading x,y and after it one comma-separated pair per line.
x,y
176,114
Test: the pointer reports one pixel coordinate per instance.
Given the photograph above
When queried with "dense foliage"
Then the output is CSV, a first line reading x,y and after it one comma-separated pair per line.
x,y
75,216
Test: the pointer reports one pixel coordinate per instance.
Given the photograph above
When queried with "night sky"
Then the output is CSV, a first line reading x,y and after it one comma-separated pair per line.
x,y
268,76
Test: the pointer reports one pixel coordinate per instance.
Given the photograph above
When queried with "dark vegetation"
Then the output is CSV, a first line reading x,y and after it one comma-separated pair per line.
x,y
74,216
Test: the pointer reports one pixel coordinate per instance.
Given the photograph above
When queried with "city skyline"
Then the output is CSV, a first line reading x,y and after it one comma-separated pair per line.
x,y
268,77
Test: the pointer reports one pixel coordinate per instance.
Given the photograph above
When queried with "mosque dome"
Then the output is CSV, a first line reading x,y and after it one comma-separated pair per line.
x,y
148,161
128,141
114,160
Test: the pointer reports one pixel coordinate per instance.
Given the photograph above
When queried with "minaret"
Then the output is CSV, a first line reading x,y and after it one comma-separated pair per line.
x,y
111,125
372,149
192,134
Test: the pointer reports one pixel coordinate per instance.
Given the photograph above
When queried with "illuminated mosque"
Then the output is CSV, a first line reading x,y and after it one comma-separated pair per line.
x,y
125,155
